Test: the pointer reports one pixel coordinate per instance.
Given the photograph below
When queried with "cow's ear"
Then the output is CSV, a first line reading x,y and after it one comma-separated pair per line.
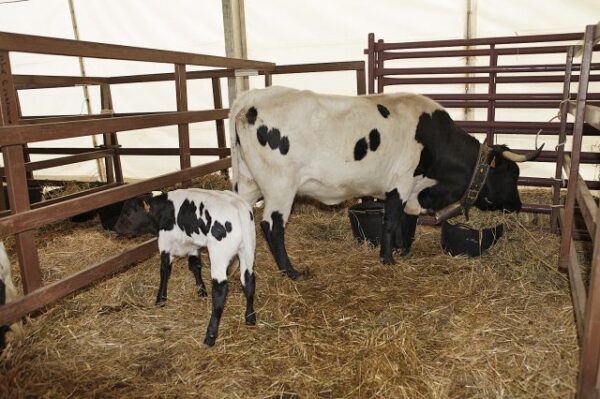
x,y
146,206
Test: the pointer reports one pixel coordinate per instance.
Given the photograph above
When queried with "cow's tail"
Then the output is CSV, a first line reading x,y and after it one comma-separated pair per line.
x,y
249,237
242,181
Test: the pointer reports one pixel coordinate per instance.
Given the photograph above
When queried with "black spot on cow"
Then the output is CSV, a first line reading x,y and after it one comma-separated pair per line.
x,y
218,231
187,220
273,138
360,149
284,145
262,134
235,188
374,140
205,226
251,216
228,227
383,110
201,210
251,115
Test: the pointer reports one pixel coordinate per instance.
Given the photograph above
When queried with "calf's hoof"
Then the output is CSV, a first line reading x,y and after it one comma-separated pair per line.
x,y
209,340
251,319
201,291
404,251
161,301
293,274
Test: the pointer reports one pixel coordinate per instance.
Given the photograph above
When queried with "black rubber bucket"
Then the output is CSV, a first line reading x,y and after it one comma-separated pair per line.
x,y
460,239
365,220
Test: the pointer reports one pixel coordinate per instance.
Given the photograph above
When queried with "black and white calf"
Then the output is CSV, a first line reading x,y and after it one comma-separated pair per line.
x,y
8,293
402,147
188,219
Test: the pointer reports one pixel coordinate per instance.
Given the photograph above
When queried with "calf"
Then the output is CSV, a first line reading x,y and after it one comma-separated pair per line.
x,y
8,293
188,219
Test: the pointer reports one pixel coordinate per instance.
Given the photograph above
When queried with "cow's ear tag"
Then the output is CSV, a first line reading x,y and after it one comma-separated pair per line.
x,y
146,207
493,163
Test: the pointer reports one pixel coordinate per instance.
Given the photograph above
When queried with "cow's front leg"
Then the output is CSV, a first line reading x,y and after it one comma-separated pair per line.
x,y
273,226
405,232
165,273
392,209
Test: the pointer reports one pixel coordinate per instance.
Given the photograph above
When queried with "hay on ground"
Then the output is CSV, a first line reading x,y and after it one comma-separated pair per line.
x,y
430,326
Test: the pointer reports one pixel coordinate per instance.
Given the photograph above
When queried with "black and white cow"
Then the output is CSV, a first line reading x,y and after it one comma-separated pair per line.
x,y
188,219
403,148
8,293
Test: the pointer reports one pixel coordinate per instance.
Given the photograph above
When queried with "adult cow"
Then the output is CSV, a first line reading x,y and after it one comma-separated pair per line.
x,y
402,147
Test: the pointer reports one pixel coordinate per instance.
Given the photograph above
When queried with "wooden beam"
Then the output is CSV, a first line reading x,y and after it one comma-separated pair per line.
x,y
11,135
52,45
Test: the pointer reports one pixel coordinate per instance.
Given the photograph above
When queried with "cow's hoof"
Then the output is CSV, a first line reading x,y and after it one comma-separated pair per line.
x,y
388,260
210,340
202,292
251,319
404,251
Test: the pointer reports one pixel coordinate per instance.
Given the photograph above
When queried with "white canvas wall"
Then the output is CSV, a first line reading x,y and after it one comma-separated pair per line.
x,y
284,32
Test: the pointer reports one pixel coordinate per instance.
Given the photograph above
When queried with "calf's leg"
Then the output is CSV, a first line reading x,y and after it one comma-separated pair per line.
x,y
165,273
248,283
195,266
220,256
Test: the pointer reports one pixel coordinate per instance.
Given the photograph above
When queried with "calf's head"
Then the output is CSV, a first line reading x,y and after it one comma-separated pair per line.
x,y
500,190
136,217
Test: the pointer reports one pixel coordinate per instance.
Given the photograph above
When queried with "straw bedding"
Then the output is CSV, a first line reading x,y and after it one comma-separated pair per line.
x,y
431,326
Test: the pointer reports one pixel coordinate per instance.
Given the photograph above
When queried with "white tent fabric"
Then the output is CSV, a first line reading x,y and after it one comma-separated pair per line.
x,y
277,31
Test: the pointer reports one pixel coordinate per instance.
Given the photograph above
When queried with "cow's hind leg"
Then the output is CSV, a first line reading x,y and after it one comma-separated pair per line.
x,y
405,232
393,208
275,216
246,256
195,266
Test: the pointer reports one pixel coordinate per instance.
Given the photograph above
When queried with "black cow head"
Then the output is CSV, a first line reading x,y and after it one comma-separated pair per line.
x,y
136,218
500,190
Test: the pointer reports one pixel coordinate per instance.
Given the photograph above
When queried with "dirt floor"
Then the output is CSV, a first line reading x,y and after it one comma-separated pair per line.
x,y
431,326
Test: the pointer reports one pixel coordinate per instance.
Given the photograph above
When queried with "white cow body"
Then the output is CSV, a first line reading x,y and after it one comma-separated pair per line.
x,y
320,161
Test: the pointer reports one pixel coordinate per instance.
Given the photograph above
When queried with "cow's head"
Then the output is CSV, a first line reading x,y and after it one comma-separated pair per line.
x,y
500,190
136,217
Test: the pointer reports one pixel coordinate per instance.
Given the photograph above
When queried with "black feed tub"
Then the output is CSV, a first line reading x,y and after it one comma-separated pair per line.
x,y
456,239
460,239
366,219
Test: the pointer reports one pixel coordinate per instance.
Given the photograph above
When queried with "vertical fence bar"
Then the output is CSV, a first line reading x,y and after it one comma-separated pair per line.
x,y
379,70
562,137
14,163
360,81
107,138
491,113
184,128
268,79
371,62
220,123
590,342
567,229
